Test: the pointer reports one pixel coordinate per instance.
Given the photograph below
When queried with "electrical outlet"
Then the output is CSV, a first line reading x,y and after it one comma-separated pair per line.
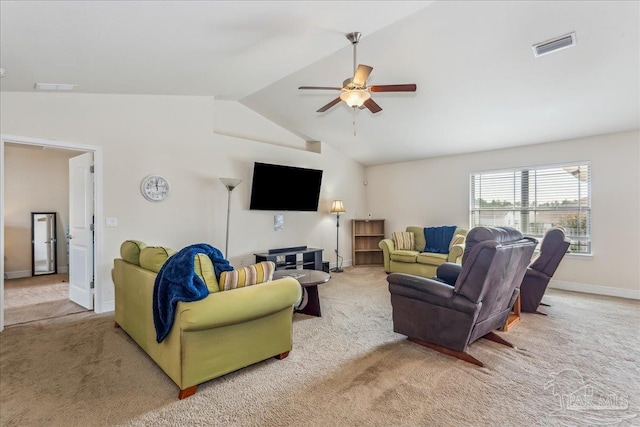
x,y
241,262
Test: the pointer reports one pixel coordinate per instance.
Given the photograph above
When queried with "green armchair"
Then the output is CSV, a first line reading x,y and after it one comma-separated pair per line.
x,y
226,331
416,261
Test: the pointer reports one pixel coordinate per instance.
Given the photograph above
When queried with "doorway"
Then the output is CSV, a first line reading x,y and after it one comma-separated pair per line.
x,y
38,297
60,280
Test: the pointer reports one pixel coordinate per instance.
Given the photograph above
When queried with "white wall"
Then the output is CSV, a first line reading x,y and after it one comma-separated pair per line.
x,y
436,192
36,180
174,136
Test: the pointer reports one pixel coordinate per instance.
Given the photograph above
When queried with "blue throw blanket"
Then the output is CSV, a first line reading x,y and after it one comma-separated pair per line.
x,y
438,238
177,281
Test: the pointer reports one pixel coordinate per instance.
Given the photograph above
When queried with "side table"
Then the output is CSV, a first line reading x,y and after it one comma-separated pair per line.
x,y
309,280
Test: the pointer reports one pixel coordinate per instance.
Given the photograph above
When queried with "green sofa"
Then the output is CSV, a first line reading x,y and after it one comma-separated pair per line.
x,y
416,261
224,332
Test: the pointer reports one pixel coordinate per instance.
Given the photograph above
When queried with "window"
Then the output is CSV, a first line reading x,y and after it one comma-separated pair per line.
x,y
535,199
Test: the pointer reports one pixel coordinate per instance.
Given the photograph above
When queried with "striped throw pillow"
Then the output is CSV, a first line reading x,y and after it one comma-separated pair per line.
x,y
403,240
247,276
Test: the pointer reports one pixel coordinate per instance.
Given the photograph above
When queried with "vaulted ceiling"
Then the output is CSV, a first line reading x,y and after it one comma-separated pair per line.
x,y
479,86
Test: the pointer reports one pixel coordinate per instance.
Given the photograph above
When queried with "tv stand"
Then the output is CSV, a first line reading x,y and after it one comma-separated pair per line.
x,y
298,257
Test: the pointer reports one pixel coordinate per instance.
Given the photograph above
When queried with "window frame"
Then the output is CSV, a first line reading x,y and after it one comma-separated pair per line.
x,y
581,235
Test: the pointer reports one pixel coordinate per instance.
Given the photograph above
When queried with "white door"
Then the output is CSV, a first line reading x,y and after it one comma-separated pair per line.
x,y
81,230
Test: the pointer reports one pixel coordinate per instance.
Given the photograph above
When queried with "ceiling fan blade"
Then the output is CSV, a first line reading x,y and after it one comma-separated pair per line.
x,y
394,88
361,75
320,87
372,106
329,105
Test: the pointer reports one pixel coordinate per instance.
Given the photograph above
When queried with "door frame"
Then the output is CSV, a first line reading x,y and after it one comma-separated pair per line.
x,y
99,304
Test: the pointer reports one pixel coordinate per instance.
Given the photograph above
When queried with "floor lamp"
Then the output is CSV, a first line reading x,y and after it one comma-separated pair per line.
x,y
337,207
230,183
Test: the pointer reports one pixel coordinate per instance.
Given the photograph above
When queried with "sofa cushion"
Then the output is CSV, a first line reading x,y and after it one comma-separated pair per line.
x,y
438,238
457,239
153,257
418,237
130,251
247,276
203,267
404,256
403,240
431,258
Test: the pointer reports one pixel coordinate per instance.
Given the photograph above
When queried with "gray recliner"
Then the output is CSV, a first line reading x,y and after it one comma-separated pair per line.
x,y
554,246
448,318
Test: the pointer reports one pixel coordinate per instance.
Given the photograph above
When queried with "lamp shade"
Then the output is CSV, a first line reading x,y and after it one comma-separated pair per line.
x,y
355,98
337,207
231,183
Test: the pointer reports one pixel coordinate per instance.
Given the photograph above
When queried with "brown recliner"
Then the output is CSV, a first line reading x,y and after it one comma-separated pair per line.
x,y
555,244
448,318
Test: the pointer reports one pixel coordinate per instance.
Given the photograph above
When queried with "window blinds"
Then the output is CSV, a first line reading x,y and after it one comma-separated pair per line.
x,y
535,199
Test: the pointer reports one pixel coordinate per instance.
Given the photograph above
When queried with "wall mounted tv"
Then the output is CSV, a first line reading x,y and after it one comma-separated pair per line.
x,y
284,188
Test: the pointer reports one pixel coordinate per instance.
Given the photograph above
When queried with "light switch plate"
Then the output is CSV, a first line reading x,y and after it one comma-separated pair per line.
x,y
112,222
278,222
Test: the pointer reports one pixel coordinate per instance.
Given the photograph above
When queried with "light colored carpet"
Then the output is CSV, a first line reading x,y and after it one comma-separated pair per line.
x,y
37,298
347,368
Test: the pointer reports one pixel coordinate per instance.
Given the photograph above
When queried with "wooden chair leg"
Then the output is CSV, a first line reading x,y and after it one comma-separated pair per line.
x,y
546,305
492,336
514,316
282,355
541,313
189,391
449,352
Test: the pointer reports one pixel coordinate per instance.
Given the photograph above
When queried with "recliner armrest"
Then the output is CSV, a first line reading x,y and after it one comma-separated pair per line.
x,y
448,272
421,284
535,274
429,291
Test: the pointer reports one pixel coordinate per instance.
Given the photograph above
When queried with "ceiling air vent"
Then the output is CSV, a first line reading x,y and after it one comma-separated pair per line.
x,y
554,45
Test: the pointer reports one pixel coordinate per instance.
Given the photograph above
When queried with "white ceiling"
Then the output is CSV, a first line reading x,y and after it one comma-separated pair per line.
x,y
479,85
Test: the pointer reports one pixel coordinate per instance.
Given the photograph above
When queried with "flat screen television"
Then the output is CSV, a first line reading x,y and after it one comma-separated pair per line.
x,y
284,188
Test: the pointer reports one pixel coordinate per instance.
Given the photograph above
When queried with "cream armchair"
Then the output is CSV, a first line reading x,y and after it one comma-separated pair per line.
x,y
416,261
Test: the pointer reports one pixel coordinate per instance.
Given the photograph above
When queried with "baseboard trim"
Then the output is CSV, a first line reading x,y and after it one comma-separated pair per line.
x,y
595,289
27,273
17,274
107,307
345,263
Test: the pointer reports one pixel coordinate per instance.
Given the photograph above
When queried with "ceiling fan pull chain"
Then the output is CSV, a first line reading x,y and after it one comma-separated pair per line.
x,y
354,122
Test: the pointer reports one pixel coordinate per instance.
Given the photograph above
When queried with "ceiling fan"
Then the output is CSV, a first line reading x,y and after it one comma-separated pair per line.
x,y
355,92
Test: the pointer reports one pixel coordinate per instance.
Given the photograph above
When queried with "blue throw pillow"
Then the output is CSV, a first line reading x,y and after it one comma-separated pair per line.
x,y
438,238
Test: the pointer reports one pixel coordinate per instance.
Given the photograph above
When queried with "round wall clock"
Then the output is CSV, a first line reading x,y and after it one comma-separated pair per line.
x,y
155,188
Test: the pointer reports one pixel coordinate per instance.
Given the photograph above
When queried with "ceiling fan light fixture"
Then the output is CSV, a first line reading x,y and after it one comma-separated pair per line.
x,y
355,91
355,97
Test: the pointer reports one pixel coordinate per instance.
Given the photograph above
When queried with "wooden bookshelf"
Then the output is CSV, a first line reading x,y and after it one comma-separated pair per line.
x,y
366,234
